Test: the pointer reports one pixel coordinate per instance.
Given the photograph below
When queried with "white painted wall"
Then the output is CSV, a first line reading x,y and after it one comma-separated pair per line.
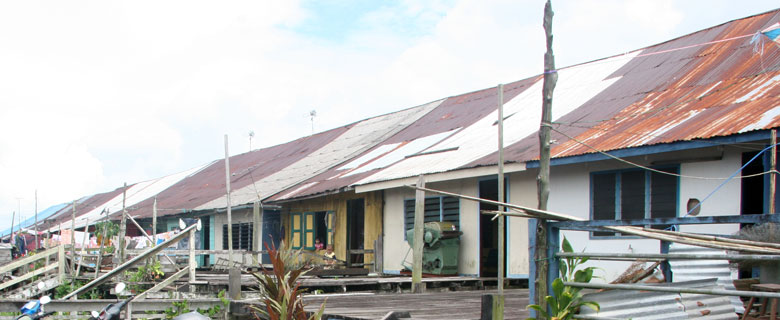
x,y
522,191
570,194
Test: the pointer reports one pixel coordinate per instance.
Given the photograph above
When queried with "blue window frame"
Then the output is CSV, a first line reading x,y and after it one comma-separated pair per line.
x,y
633,194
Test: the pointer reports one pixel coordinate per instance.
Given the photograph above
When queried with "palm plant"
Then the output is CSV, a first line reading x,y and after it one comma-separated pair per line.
x,y
281,292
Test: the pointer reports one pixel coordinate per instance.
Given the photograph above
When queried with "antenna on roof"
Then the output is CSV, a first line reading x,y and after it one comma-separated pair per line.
x,y
251,135
312,114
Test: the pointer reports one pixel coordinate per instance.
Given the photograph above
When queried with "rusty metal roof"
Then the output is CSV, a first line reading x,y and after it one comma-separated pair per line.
x,y
208,184
667,94
447,119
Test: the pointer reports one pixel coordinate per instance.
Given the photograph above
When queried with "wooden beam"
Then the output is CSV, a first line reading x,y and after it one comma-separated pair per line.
x,y
28,276
27,260
121,268
417,245
163,284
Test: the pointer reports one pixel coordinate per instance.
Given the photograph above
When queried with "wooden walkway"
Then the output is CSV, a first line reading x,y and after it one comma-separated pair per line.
x,y
434,305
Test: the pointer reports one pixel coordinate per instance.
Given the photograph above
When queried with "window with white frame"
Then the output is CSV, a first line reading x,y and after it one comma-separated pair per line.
x,y
633,194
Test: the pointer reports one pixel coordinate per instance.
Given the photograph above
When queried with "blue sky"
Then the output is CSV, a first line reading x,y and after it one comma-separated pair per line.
x,y
95,94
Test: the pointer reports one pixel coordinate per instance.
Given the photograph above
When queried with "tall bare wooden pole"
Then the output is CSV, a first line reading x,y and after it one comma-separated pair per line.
x,y
772,175
543,180
154,222
11,237
73,228
123,226
498,310
501,219
229,213
417,248
35,226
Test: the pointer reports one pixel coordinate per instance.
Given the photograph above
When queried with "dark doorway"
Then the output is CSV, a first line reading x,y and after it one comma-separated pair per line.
x,y
355,228
272,231
321,227
752,201
488,230
753,193
206,229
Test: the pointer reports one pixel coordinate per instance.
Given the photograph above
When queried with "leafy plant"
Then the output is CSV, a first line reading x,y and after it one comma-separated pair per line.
x,y
281,292
178,308
566,300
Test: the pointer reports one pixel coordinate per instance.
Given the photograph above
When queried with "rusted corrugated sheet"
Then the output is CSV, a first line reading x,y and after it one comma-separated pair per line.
x,y
705,91
689,270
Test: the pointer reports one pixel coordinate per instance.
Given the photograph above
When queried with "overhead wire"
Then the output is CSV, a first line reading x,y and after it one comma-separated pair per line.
x,y
661,171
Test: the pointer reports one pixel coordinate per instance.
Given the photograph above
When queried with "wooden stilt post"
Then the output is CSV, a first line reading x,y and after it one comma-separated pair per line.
x,y
80,260
543,180
417,249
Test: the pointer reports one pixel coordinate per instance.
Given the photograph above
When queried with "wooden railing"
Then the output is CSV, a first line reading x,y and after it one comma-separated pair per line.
x,y
27,275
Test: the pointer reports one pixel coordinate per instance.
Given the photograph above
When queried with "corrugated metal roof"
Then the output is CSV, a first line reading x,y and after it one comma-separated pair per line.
x,y
332,163
204,186
429,133
647,305
689,270
705,91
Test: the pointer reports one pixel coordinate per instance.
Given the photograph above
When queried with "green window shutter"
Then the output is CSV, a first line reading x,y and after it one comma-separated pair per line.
x,y
296,230
308,230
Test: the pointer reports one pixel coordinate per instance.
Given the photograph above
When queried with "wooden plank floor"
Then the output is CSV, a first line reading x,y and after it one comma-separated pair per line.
x,y
434,305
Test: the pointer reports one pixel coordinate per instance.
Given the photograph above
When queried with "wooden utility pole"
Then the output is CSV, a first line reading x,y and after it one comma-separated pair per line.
x,y
123,226
154,223
229,213
417,248
499,312
11,237
543,180
73,229
772,175
258,231
35,226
